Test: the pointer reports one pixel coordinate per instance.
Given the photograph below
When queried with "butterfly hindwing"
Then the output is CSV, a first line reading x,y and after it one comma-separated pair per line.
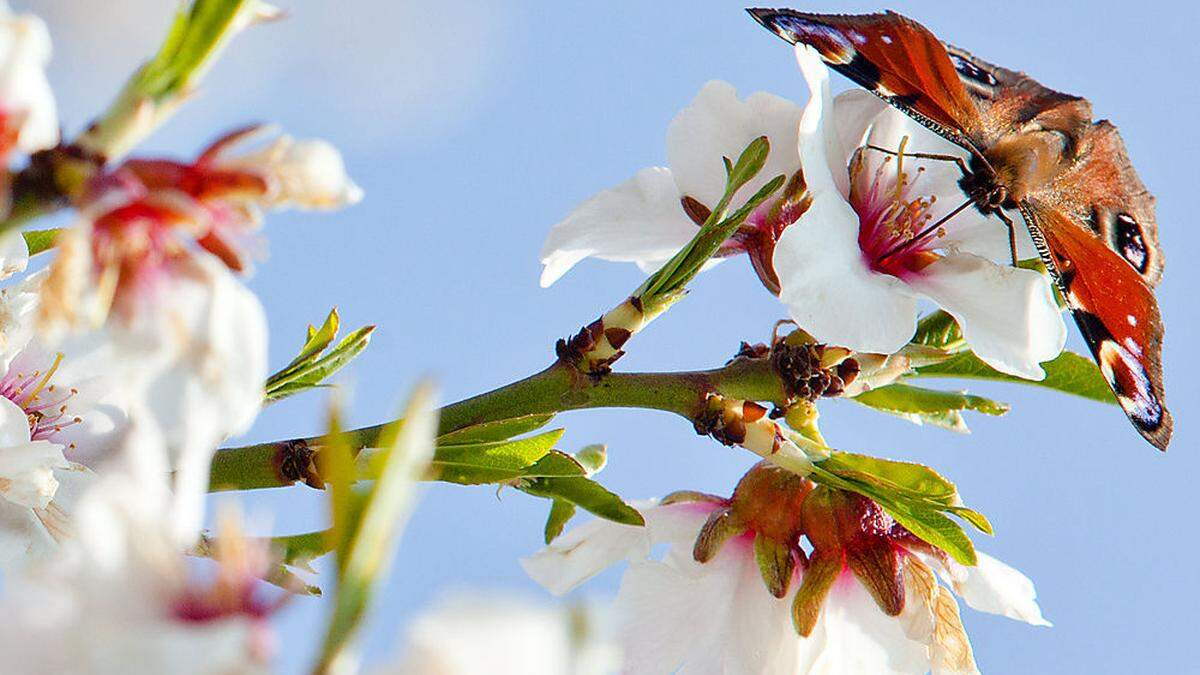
x,y
891,55
1116,311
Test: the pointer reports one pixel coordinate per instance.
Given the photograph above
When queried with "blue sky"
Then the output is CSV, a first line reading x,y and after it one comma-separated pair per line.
x,y
474,126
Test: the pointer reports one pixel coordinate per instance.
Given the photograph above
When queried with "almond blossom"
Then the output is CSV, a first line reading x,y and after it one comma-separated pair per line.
x,y
651,216
885,230
119,597
735,592
146,282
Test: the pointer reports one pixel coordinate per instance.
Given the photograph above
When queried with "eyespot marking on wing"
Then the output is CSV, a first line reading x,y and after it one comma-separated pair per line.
x,y
972,72
1130,243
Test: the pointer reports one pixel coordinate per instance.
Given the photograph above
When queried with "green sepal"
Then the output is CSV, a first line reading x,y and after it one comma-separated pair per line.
x,y
1069,373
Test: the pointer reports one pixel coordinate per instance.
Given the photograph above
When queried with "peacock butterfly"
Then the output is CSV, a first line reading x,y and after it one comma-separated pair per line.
x,y
1036,151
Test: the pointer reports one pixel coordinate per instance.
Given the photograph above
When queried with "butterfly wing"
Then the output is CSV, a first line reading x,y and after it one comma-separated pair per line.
x,y
1098,234
1116,312
892,56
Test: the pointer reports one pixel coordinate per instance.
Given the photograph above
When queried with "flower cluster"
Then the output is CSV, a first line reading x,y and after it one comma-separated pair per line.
x,y
784,576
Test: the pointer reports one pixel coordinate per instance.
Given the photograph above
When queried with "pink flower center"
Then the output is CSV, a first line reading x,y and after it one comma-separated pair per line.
x,y
46,406
895,219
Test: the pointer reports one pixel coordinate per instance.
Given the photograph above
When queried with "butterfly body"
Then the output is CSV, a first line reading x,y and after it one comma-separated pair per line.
x,y
1035,151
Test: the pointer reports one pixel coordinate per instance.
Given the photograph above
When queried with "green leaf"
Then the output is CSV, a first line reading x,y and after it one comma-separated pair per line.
x,y
914,479
933,528
938,329
319,339
497,462
592,457
1070,373
667,284
499,430
561,511
40,241
586,494
919,405
368,535
748,164
316,361
975,518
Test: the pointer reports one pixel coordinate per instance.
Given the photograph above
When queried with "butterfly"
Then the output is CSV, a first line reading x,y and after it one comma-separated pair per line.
x,y
1036,151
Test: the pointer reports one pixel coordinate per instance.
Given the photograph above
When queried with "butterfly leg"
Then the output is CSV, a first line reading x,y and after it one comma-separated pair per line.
x,y
962,164
1012,235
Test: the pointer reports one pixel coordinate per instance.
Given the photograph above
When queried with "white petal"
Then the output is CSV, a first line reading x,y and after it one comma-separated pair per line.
x,y
468,634
640,220
14,424
681,616
1008,315
821,149
830,291
994,587
25,93
14,253
718,124
312,175
28,472
22,537
852,635
583,552
853,111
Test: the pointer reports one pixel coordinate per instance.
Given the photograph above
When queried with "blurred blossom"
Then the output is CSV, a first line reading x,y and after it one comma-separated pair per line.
x,y
28,117
735,592
474,633
648,218
121,597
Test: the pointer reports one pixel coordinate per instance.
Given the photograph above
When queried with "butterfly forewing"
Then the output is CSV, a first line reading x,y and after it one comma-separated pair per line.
x,y
891,55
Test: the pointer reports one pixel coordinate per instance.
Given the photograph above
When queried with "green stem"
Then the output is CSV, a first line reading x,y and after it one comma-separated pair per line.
x,y
559,388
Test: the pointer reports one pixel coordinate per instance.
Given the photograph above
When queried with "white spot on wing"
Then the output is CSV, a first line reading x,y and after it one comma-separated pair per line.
x,y
887,39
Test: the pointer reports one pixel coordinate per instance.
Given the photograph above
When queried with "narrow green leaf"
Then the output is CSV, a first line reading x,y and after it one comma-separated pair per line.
x,y
320,339
500,430
1070,373
479,463
975,518
905,398
749,163
561,511
407,446
40,241
586,494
